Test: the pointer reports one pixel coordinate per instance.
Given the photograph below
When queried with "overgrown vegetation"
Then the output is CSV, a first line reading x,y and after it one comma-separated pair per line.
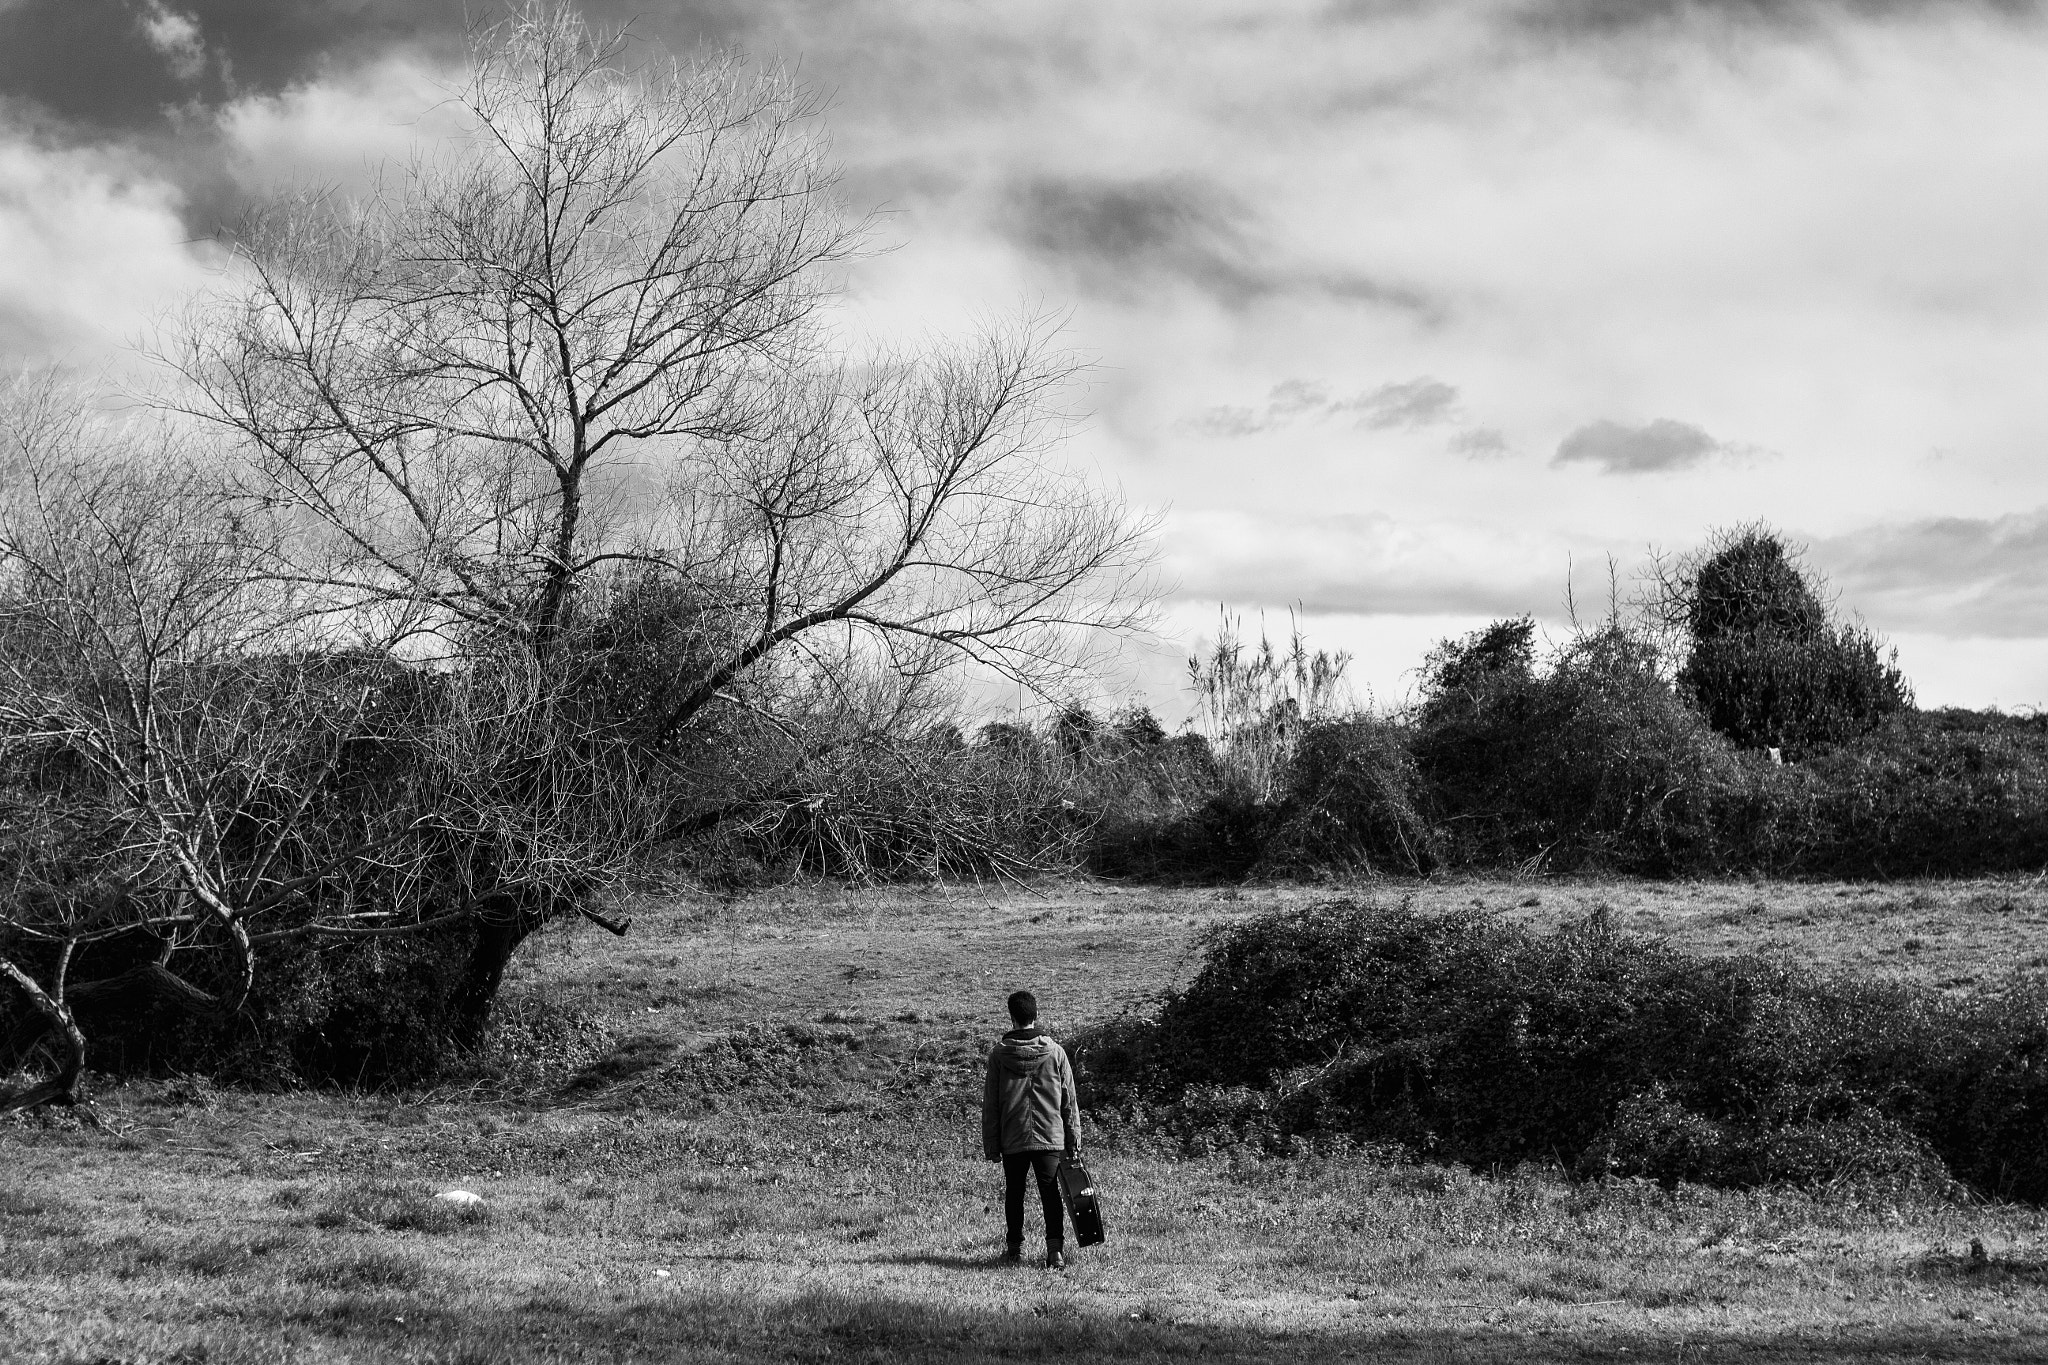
x,y
1463,1038
1728,725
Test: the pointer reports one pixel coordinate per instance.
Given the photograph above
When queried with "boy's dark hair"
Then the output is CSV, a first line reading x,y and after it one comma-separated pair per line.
x,y
1023,1008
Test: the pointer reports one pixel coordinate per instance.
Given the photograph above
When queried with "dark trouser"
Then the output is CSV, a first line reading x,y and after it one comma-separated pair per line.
x,y
1047,1167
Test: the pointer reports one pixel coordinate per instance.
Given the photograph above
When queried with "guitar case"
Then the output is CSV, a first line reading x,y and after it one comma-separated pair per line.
x,y
1077,1188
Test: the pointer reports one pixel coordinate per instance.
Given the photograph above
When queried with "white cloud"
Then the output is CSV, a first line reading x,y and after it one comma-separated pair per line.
x,y
344,130
1362,564
176,36
90,249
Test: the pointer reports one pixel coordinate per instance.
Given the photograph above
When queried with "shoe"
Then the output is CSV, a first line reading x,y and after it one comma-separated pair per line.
x,y
1055,1259
1013,1255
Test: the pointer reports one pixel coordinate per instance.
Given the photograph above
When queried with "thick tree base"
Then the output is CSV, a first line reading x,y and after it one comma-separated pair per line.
x,y
503,923
62,1092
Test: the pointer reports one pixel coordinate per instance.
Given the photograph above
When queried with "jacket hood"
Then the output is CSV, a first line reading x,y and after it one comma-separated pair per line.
x,y
1023,1056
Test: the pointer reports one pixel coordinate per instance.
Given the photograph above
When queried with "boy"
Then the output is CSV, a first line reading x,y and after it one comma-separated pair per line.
x,y
1030,1118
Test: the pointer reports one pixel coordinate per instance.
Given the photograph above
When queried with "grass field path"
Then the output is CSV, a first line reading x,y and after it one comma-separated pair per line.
x,y
769,1154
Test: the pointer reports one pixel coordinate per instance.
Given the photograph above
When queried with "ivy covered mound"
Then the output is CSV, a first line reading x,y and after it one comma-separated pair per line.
x,y
1467,1039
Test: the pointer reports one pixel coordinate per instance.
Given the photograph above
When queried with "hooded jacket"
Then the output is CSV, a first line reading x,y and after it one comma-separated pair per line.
x,y
1029,1103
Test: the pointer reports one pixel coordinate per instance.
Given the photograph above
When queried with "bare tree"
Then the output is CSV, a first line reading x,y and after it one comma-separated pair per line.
x,y
192,781
543,463
593,332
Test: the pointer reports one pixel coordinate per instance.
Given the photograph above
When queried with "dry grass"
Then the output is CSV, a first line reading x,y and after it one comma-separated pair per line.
x,y
812,1192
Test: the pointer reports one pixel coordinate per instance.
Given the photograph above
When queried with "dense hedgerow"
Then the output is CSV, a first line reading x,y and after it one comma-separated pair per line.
x,y
1354,803
1587,758
1169,811
1590,760
879,809
1940,793
1472,1041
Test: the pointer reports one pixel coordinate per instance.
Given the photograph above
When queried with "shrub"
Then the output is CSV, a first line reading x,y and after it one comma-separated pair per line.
x,y
1654,1136
1928,794
1222,838
1748,579
1169,811
877,808
1474,1041
1761,688
1298,988
1590,760
1078,733
1766,666
1139,729
1504,650
1354,803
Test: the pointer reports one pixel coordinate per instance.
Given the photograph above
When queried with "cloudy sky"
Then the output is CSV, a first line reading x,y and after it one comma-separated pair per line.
x,y
1405,311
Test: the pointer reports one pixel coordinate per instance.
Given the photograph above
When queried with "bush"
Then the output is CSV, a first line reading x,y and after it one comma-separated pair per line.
x,y
1170,812
1942,793
1589,761
1353,803
1763,689
1766,666
1473,1041
1656,1137
879,809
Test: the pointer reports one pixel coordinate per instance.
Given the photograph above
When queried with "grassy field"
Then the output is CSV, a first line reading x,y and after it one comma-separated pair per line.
x,y
747,1132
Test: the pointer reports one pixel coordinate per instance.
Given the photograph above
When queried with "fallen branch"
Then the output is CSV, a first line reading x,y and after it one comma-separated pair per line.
x,y
615,926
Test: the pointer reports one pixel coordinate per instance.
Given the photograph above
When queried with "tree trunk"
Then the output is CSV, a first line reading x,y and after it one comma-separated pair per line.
x,y
502,924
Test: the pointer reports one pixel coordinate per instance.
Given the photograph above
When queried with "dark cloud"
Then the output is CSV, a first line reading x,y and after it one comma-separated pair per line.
x,y
1614,16
1950,576
1127,238
1227,421
1418,402
1405,592
148,75
1652,448
1479,443
1124,237
90,65
105,65
1364,289
1402,595
1292,397
93,67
